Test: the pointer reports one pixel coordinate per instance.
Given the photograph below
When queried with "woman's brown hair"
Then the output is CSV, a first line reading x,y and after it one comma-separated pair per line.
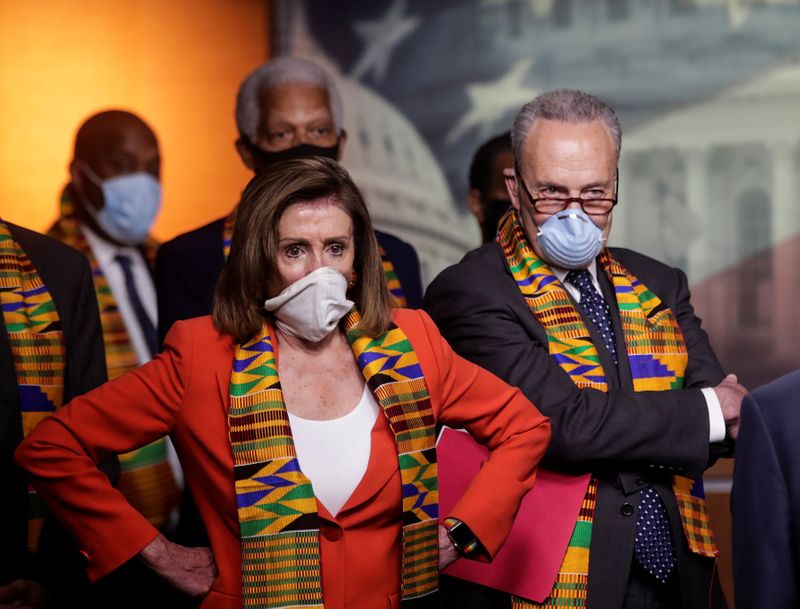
x,y
250,269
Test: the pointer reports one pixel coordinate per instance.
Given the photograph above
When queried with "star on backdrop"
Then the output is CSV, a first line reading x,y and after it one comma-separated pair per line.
x,y
490,102
380,37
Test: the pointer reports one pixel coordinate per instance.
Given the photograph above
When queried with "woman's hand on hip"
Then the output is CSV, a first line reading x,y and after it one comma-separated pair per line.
x,y
23,594
447,551
191,570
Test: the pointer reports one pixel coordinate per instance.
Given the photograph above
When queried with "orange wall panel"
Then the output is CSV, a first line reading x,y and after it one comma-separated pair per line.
x,y
177,64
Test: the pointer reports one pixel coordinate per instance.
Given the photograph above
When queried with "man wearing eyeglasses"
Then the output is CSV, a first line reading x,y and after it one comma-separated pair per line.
x,y
605,342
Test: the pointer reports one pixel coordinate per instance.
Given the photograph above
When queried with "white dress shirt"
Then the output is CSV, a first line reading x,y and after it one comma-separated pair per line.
x,y
716,421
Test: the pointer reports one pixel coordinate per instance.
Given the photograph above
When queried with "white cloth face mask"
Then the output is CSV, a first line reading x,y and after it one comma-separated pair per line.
x,y
312,306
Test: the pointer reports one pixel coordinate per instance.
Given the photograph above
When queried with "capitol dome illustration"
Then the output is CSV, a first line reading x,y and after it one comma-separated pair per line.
x,y
394,167
402,181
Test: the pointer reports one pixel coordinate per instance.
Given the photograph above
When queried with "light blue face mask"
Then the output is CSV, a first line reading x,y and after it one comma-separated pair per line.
x,y
131,201
569,239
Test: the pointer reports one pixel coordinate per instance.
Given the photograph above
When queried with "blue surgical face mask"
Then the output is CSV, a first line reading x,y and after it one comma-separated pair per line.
x,y
131,204
569,239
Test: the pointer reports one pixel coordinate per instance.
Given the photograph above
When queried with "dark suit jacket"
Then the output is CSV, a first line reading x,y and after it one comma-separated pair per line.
x,y
67,275
766,498
628,439
187,268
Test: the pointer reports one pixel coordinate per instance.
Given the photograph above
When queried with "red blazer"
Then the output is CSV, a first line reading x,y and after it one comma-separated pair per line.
x,y
184,392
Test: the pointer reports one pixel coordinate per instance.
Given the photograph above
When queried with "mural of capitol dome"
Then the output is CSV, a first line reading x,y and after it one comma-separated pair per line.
x,y
402,181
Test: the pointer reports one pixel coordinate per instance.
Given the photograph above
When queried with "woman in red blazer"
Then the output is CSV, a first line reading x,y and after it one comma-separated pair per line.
x,y
239,415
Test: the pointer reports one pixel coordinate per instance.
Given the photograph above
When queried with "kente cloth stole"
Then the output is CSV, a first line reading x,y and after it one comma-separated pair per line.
x,y
37,348
146,479
276,506
392,281
657,356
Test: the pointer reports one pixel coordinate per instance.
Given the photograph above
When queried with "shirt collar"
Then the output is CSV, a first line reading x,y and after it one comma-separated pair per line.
x,y
104,250
561,274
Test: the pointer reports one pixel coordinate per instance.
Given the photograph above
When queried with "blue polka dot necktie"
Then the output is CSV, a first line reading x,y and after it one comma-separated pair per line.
x,y
653,546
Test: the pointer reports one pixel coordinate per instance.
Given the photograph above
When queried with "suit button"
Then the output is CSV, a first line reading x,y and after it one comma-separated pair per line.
x,y
332,533
626,509
85,555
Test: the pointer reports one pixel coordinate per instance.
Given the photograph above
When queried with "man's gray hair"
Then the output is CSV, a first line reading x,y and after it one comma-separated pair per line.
x,y
566,105
278,72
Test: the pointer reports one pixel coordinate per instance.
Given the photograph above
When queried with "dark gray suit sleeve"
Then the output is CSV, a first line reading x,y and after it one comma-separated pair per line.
x,y
704,369
764,514
68,277
482,314
86,363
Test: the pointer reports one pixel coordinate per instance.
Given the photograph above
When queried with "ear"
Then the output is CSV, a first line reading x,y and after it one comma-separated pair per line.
x,y
75,175
512,186
342,142
245,155
79,181
474,204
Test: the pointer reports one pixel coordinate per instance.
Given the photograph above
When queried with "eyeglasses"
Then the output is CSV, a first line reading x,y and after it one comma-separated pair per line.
x,y
592,204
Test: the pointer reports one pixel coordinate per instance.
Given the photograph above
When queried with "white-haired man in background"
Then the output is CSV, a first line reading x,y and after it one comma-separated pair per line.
x,y
287,108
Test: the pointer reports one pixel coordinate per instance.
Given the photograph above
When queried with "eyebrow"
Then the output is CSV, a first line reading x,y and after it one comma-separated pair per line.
x,y
563,188
304,240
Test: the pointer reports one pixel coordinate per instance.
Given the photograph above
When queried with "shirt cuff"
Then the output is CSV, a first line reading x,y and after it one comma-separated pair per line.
x,y
716,422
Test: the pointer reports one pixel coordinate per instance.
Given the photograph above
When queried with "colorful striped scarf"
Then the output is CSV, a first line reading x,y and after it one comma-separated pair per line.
x,y
146,479
392,280
657,356
277,510
37,348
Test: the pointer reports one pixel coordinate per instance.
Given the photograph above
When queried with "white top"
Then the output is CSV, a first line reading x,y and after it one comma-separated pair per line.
x,y
334,453
105,252
716,420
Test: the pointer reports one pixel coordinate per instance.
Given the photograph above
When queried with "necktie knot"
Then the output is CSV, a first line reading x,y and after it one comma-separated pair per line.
x,y
581,279
124,261
595,307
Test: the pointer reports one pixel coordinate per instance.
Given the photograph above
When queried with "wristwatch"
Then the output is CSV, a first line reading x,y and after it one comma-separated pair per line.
x,y
464,540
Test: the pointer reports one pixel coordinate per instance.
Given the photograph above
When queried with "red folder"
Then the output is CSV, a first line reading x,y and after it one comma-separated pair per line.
x,y
528,562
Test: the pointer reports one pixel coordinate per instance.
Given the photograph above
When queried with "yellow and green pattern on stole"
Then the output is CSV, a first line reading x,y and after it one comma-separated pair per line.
x,y
146,479
276,506
389,274
37,348
657,356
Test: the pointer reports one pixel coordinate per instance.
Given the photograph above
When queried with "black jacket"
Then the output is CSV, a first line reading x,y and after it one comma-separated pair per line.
x,y
628,439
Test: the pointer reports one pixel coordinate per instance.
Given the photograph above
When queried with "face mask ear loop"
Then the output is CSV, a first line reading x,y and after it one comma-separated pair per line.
x,y
606,230
94,179
90,173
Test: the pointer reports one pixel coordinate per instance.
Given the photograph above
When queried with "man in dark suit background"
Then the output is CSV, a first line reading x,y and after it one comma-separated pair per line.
x,y
766,498
605,343
487,198
57,567
286,108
